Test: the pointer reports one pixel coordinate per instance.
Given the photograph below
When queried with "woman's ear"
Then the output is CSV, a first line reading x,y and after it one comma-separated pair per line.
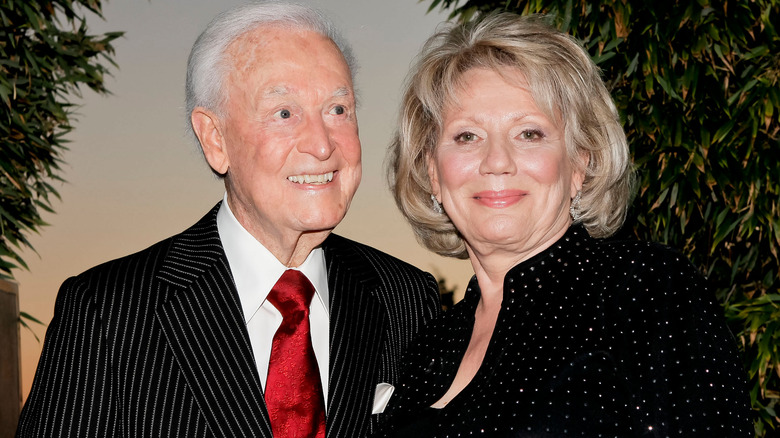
x,y
578,173
207,128
433,177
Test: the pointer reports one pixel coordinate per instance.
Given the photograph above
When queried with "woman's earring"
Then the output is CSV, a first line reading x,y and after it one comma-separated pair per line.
x,y
574,209
436,206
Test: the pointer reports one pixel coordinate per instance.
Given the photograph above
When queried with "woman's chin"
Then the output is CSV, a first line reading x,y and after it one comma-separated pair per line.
x,y
502,237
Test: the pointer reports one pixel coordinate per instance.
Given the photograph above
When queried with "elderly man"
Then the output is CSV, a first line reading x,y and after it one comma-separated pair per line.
x,y
256,321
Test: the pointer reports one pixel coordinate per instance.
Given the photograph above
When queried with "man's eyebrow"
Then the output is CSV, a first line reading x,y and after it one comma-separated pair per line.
x,y
276,91
341,92
282,91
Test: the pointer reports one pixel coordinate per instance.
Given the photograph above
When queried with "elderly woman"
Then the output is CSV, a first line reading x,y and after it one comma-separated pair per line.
x,y
510,153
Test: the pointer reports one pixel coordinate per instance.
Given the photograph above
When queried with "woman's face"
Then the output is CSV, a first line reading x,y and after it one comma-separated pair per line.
x,y
500,168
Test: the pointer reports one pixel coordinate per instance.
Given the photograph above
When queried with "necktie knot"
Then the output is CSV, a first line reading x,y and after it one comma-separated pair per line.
x,y
292,294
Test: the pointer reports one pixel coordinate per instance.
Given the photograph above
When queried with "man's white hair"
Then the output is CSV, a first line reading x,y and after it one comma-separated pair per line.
x,y
206,67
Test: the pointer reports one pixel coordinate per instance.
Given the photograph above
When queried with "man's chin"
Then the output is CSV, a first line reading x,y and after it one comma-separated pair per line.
x,y
319,227
316,231
321,221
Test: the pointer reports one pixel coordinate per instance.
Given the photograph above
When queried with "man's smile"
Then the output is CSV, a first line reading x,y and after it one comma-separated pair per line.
x,y
311,179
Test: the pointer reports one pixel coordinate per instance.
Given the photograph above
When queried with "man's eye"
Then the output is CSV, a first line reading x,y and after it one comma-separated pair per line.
x,y
285,113
338,110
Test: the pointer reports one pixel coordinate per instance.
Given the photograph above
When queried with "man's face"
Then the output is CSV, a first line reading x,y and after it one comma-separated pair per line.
x,y
290,134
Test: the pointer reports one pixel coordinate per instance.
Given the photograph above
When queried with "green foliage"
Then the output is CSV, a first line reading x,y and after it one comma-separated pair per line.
x,y
696,83
24,317
45,55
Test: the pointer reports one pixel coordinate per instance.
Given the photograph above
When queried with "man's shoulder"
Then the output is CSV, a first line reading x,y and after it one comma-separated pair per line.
x,y
409,295
360,253
120,281
147,262
153,254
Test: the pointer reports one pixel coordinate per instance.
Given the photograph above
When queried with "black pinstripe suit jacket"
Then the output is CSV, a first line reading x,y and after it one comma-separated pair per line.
x,y
155,344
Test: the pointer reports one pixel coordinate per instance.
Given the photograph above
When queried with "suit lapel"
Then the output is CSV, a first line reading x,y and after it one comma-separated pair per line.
x,y
357,324
202,320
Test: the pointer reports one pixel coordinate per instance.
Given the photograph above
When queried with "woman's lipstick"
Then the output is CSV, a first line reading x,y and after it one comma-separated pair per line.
x,y
499,199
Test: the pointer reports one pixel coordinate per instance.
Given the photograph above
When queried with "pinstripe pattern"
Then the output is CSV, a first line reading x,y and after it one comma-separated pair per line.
x,y
377,305
154,344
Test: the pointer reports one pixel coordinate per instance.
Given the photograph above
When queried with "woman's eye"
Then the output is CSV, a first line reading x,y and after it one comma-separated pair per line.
x,y
284,113
531,134
465,137
338,110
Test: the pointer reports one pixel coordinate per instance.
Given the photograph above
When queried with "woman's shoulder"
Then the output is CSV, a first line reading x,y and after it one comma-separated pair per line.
x,y
655,286
622,253
642,275
640,257
628,245
670,341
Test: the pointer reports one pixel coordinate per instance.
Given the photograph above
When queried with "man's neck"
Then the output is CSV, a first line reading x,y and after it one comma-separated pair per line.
x,y
290,247
293,254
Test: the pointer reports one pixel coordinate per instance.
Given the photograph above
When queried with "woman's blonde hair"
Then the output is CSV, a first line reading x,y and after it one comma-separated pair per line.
x,y
565,84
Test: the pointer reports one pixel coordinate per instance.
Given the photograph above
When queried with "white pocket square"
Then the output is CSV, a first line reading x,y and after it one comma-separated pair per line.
x,y
382,395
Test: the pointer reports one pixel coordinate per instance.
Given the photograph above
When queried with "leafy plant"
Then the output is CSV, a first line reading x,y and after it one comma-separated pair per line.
x,y
46,54
696,83
24,317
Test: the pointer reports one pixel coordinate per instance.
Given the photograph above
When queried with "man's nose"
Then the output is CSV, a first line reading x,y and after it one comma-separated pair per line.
x,y
317,139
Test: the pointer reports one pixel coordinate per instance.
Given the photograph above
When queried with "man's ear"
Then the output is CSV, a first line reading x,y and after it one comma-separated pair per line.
x,y
208,129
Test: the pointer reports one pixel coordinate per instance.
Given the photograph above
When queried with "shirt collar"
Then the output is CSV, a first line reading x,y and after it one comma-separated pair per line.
x,y
255,270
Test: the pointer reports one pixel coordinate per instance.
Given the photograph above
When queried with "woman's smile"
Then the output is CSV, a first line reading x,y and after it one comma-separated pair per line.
x,y
500,198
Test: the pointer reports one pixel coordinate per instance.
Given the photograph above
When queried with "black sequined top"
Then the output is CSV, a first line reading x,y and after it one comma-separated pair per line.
x,y
595,338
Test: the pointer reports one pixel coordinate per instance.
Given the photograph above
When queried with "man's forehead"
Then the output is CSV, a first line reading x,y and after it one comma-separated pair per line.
x,y
271,36
277,45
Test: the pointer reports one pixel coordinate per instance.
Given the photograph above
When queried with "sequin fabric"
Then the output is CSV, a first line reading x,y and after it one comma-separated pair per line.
x,y
595,338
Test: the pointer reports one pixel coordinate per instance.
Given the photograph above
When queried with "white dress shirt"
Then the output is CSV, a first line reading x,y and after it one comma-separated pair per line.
x,y
255,271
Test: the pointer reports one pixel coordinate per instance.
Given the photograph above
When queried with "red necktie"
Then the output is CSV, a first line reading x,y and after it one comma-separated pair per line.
x,y
293,391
